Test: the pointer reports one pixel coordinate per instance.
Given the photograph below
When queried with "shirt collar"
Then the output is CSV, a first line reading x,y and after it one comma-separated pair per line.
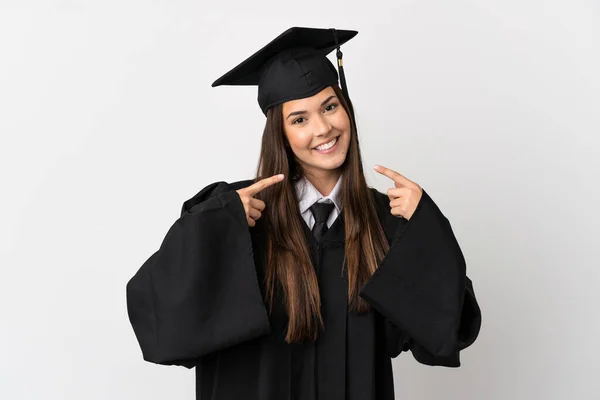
x,y
308,194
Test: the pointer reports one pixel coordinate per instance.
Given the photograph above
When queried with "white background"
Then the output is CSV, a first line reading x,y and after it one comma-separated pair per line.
x,y
108,123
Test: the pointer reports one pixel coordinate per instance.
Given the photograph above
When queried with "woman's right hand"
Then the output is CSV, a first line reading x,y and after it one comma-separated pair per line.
x,y
252,206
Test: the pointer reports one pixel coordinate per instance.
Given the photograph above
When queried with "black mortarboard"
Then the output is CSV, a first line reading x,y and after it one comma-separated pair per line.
x,y
293,66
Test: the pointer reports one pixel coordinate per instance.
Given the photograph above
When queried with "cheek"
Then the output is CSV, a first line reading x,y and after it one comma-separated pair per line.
x,y
298,139
341,122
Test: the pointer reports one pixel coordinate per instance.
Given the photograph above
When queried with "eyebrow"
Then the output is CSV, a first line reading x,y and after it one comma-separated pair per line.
x,y
304,111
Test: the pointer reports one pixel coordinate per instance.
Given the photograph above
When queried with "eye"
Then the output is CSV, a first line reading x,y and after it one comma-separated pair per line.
x,y
298,120
331,106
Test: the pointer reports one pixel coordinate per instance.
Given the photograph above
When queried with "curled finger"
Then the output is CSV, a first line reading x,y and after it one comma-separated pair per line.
x,y
254,213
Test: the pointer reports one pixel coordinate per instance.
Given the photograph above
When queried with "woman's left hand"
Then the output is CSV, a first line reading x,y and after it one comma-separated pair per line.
x,y
406,194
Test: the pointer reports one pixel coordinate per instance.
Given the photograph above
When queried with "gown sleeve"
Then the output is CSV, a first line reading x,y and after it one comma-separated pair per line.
x,y
422,290
199,292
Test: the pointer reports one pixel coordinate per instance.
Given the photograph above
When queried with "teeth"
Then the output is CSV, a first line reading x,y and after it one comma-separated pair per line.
x,y
327,145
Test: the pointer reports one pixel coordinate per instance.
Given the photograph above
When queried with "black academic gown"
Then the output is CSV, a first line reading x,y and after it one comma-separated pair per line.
x,y
198,302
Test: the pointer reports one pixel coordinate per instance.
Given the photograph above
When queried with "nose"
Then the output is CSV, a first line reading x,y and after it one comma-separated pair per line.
x,y
321,126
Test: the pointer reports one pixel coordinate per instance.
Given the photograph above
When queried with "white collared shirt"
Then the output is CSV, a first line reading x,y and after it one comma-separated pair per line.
x,y
308,195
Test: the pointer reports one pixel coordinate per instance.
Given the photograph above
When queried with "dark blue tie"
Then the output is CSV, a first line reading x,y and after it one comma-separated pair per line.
x,y
321,213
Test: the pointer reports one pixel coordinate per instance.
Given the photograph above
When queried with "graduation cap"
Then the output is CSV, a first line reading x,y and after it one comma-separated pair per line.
x,y
292,66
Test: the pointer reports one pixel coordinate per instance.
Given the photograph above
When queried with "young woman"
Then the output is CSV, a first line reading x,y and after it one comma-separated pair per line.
x,y
303,283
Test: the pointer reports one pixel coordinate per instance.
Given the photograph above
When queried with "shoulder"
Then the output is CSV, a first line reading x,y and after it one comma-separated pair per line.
x,y
378,196
389,222
382,205
382,201
213,190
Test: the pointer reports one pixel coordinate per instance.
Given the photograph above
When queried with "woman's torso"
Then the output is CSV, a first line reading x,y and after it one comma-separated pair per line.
x,y
347,361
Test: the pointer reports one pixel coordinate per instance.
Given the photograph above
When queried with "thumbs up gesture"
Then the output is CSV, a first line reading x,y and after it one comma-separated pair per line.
x,y
404,196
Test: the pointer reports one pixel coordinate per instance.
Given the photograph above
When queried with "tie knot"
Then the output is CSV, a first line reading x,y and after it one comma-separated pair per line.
x,y
321,211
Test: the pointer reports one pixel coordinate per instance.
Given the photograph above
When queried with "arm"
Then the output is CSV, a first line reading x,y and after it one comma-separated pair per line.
x,y
421,288
199,292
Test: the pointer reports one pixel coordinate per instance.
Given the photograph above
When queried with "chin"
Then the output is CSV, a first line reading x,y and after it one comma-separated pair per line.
x,y
331,166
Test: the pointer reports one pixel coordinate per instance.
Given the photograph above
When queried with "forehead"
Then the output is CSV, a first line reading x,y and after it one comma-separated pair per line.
x,y
308,103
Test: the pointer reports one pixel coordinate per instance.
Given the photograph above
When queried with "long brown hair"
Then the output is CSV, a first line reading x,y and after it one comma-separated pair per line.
x,y
288,262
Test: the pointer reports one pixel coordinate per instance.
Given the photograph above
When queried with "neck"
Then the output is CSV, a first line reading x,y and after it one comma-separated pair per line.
x,y
324,180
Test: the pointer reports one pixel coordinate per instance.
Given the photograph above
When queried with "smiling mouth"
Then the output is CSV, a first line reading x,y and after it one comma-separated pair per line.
x,y
328,145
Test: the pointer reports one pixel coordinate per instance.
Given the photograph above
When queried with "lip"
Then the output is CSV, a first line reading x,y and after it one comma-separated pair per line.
x,y
331,148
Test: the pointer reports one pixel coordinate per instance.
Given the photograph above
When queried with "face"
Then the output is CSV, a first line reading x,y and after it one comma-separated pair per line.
x,y
318,131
